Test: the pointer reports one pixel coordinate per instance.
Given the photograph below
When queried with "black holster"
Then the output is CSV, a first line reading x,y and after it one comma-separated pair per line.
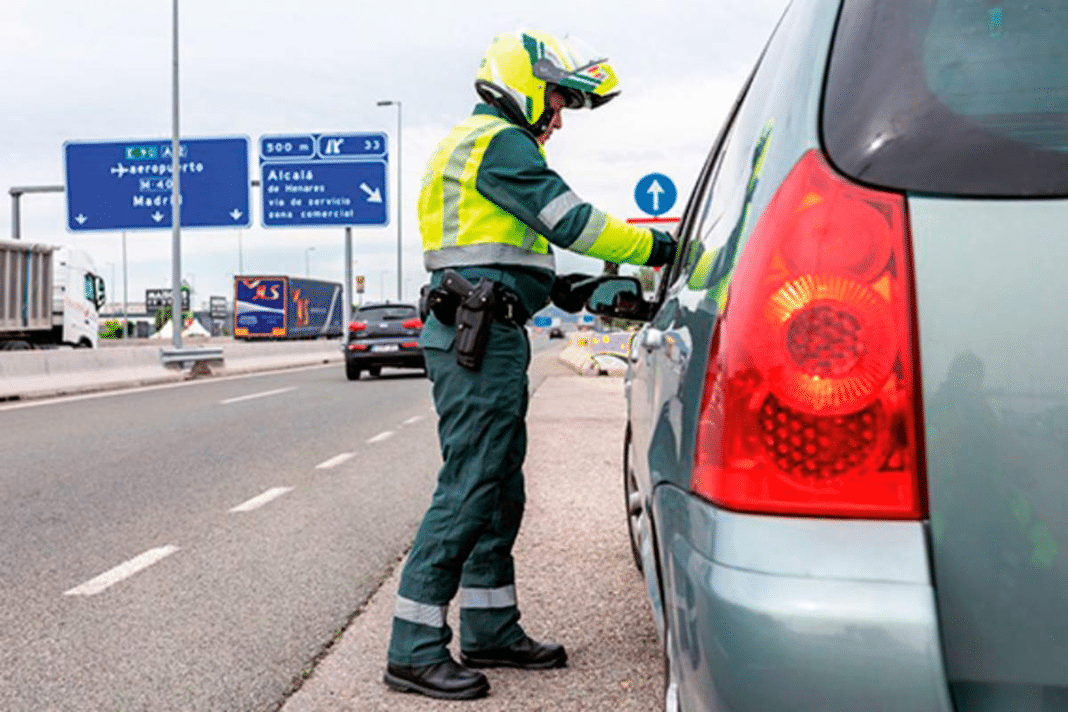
x,y
468,307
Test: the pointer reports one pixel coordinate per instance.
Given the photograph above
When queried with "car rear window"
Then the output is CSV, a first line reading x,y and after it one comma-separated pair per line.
x,y
959,97
385,313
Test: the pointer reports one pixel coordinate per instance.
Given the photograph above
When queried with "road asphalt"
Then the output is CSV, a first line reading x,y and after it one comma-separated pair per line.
x,y
576,581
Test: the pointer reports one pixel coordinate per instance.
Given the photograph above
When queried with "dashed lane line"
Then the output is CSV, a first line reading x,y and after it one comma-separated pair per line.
x,y
414,419
260,500
264,394
335,461
122,571
380,437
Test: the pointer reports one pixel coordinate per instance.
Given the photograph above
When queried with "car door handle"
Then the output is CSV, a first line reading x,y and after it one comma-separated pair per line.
x,y
654,339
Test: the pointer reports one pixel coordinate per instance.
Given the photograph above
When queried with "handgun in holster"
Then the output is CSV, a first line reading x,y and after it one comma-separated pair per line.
x,y
470,308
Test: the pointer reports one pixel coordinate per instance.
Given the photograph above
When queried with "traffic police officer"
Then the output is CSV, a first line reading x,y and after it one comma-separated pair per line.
x,y
491,209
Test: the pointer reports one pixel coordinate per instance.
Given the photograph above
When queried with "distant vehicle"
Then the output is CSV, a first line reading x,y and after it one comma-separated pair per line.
x,y
383,335
49,296
847,416
556,333
279,307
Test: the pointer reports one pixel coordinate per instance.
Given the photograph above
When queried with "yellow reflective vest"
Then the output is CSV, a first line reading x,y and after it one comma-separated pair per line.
x,y
488,198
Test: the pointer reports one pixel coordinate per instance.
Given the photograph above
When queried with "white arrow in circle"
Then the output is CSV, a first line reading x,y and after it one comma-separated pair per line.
x,y
236,214
373,196
157,216
80,219
655,189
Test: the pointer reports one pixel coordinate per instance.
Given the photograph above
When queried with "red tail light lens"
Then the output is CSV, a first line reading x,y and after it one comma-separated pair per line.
x,y
413,324
410,344
357,326
810,405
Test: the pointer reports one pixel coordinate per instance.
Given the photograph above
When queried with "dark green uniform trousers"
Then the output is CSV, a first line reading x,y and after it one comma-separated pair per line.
x,y
465,540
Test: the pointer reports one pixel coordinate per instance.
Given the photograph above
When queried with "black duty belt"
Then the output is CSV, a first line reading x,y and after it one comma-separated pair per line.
x,y
509,308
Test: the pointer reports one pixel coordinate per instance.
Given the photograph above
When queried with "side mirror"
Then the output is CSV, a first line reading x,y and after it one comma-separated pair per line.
x,y
619,298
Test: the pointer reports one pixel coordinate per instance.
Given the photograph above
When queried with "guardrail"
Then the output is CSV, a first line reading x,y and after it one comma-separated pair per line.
x,y
198,361
30,374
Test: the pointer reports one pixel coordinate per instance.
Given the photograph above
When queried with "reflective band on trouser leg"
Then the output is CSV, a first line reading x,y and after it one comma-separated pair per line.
x,y
488,597
489,618
420,634
421,613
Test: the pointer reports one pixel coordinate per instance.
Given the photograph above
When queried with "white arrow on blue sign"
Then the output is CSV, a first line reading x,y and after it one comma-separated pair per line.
x,y
655,194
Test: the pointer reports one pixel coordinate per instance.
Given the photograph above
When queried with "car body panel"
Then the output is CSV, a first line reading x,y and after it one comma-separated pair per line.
x,y
846,622
784,613
993,339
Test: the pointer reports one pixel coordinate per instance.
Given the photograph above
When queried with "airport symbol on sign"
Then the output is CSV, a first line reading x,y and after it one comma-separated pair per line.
x,y
324,179
655,194
127,185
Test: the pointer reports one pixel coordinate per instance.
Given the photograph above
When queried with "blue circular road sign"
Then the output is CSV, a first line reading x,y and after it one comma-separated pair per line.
x,y
655,194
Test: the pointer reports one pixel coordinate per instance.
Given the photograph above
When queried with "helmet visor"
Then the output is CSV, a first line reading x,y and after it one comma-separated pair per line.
x,y
583,76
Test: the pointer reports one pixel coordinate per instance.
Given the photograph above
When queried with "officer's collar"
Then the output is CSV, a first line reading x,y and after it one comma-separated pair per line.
x,y
485,109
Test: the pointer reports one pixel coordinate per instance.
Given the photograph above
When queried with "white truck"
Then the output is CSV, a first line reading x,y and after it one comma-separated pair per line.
x,y
49,296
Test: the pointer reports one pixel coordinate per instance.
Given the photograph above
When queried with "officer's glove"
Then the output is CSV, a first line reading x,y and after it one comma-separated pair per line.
x,y
570,291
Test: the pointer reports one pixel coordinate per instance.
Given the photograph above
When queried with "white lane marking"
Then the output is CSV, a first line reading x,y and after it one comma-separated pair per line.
x,y
48,400
122,571
416,419
335,461
380,437
257,395
260,500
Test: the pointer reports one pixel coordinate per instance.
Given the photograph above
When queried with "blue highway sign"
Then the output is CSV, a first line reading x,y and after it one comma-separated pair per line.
x,y
314,180
126,185
655,194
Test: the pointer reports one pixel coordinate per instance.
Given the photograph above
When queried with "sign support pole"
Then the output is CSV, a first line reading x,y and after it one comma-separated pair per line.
x,y
348,284
176,223
125,295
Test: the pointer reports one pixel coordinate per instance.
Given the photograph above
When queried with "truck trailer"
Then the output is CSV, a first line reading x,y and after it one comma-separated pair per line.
x,y
49,296
280,307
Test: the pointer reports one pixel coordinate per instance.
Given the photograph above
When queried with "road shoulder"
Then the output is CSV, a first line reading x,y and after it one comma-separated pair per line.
x,y
576,580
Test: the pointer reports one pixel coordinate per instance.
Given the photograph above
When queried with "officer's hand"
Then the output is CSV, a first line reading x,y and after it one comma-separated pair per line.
x,y
570,291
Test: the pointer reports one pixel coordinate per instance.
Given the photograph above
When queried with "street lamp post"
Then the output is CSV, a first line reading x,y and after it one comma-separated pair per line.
x,y
176,221
307,261
400,278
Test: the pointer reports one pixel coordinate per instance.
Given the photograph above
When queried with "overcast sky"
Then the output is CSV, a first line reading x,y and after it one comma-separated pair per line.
x,y
101,71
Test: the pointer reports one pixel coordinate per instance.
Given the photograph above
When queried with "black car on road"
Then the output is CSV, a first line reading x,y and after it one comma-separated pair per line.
x,y
380,335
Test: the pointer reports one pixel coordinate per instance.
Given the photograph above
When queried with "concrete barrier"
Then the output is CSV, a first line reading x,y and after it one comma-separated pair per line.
x,y
30,374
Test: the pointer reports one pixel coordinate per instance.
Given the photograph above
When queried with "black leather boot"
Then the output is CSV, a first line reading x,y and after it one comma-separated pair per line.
x,y
526,653
446,680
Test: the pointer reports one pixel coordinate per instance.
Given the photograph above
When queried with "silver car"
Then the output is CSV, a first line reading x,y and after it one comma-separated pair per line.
x,y
847,441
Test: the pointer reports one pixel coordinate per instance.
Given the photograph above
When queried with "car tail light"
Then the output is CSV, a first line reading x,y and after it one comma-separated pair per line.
x,y
413,324
810,404
356,326
358,347
410,344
